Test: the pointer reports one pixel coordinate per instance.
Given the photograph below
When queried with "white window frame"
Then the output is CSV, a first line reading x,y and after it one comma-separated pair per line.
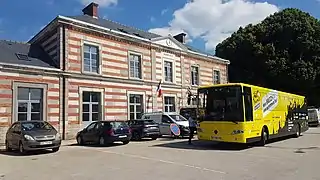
x,y
164,102
141,65
128,101
100,59
173,70
44,88
214,76
102,104
198,77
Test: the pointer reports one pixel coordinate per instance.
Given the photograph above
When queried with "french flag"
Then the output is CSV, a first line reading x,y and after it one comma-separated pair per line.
x,y
159,90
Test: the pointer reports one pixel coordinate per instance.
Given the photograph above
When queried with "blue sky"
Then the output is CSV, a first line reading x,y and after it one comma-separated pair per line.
x,y
19,20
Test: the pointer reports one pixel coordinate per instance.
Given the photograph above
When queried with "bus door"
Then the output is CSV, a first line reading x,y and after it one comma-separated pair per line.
x,y
250,125
276,120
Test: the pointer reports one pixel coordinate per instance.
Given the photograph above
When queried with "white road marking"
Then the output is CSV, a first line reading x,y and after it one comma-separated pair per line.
x,y
163,161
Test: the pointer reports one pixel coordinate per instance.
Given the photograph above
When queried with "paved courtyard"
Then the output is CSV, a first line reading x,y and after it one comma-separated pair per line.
x,y
166,159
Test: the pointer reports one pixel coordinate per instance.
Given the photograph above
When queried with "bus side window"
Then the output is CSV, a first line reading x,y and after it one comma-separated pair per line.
x,y
248,103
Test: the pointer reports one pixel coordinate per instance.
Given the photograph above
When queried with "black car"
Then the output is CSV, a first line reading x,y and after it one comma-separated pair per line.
x,y
105,132
32,135
144,128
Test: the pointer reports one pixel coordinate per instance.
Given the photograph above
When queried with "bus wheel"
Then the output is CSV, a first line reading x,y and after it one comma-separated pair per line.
x,y
264,137
298,131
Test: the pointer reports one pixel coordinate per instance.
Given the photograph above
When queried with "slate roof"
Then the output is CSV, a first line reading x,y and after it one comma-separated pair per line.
x,y
115,26
126,29
36,56
191,48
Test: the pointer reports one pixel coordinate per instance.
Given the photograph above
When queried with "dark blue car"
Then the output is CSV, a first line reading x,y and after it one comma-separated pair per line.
x,y
105,132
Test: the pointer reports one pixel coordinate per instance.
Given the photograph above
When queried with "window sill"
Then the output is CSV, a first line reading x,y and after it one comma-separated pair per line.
x,y
134,78
168,82
91,73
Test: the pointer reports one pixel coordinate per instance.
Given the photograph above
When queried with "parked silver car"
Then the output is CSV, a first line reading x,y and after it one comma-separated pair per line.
x,y
32,135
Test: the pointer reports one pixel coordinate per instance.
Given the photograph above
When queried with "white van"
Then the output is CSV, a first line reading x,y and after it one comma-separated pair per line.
x,y
164,120
313,117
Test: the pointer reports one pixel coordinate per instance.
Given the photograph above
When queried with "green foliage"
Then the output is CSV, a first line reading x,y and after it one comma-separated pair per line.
x,y
281,52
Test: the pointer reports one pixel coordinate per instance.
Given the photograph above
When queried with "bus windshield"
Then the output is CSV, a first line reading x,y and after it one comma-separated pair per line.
x,y
221,104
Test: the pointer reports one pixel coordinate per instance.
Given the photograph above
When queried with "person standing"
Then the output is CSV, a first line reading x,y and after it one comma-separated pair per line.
x,y
192,127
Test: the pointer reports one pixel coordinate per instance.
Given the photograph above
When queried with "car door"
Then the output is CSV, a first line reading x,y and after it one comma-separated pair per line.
x,y
131,124
94,134
164,125
16,135
87,133
136,126
9,136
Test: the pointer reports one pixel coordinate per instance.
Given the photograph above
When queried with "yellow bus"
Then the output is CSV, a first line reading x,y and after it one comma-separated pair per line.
x,y
243,113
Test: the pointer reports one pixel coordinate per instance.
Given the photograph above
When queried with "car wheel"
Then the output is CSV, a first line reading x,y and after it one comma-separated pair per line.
x,y
21,149
8,149
154,138
55,149
79,140
136,136
101,141
125,142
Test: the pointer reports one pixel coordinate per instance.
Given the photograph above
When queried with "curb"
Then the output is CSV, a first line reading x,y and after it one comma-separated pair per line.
x,y
63,143
68,142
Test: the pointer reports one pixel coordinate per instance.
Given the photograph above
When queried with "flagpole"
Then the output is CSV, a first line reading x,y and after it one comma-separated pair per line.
x,y
157,94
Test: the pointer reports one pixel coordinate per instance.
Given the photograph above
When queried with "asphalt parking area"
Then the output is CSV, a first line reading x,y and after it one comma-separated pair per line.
x,y
171,159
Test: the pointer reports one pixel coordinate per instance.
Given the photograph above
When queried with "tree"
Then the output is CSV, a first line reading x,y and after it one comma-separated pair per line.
x,y
282,52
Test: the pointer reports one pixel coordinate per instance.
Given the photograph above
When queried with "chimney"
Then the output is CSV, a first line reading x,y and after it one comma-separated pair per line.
x,y
181,37
91,10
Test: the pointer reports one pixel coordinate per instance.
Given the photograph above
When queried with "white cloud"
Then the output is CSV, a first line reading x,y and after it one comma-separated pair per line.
x,y
215,20
102,3
164,11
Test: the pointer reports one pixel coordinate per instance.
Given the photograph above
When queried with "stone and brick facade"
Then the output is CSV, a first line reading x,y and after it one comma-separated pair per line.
x,y
104,74
20,88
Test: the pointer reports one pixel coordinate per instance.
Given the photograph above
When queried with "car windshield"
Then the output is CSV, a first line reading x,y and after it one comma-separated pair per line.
x,y
178,117
35,126
117,125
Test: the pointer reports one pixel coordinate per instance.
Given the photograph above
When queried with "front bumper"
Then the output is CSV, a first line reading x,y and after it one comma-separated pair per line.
x,y
184,131
313,123
41,145
237,138
151,134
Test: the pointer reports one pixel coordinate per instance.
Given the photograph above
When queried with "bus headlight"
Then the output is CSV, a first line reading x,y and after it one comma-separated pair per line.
x,y
237,132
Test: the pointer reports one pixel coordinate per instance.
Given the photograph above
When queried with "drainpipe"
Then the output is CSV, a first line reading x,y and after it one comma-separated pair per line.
x,y
63,82
227,73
